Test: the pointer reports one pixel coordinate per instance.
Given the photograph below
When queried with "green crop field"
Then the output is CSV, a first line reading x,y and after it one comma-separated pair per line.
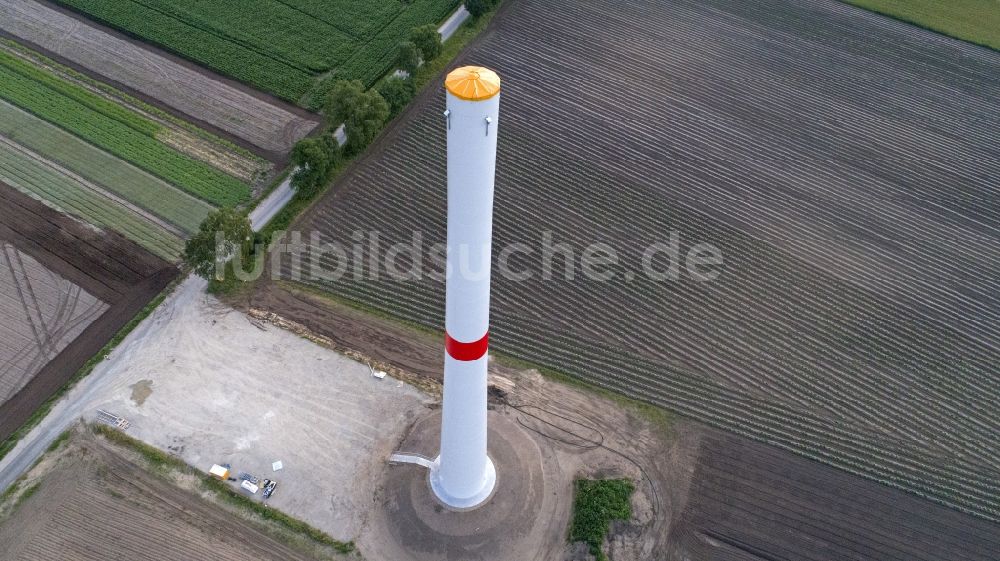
x,y
73,197
114,129
112,174
282,53
91,152
976,21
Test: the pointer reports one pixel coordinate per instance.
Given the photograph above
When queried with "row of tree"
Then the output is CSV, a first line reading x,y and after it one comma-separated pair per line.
x,y
362,112
227,232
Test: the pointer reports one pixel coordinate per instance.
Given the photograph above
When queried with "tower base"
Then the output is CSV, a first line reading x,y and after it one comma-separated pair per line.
x,y
463,503
523,511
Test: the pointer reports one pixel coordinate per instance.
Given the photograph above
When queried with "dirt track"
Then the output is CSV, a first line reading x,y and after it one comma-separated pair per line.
x,y
382,340
103,264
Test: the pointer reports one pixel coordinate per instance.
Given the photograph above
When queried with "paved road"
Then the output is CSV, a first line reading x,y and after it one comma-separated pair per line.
x,y
451,25
271,205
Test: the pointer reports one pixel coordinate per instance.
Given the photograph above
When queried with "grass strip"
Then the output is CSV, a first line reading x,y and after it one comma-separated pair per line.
x,y
115,137
97,103
975,21
74,76
109,173
66,194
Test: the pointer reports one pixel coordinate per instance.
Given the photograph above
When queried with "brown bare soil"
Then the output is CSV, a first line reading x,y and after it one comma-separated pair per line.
x,y
95,503
114,271
751,502
43,312
260,123
380,340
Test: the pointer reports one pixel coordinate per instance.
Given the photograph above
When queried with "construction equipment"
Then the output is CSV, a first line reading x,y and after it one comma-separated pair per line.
x,y
244,476
269,486
112,420
219,472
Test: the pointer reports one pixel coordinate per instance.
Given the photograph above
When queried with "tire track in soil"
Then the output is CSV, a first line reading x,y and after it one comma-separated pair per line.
x,y
118,273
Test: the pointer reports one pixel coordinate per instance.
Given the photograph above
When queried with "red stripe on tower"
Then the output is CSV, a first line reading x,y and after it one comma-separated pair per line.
x,y
466,351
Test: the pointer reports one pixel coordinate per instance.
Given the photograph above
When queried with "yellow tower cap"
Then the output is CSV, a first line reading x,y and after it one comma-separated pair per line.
x,y
472,83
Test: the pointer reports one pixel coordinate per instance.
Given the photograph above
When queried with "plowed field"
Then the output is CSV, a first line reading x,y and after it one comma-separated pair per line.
x,y
844,163
745,496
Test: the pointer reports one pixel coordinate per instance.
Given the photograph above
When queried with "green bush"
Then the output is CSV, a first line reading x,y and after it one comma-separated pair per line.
x,y
428,41
408,57
362,112
397,92
479,7
313,159
595,506
204,252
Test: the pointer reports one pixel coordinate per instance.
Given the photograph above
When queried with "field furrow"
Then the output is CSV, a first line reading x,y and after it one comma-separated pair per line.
x,y
852,192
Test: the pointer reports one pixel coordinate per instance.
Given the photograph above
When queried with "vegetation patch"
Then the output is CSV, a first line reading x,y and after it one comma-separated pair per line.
x,y
975,21
82,79
58,441
596,504
72,196
284,53
114,129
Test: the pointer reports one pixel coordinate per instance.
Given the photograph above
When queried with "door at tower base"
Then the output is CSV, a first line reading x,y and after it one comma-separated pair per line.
x,y
463,475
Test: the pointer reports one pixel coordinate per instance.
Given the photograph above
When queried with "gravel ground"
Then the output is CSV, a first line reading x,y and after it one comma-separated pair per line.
x,y
200,380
